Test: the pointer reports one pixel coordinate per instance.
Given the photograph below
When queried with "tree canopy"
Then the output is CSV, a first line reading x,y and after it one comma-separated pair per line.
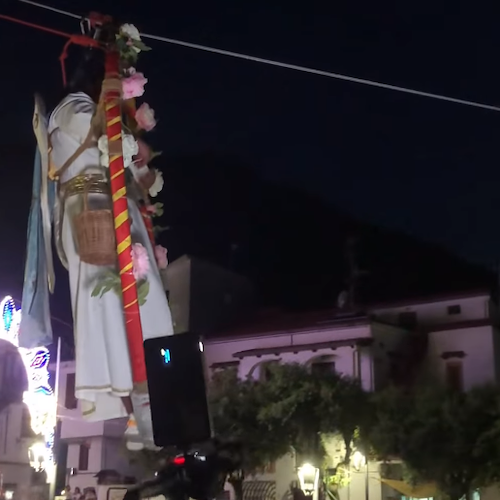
x,y
442,437
294,408
236,407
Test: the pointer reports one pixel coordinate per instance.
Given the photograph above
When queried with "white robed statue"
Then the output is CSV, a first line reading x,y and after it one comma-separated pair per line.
x,y
103,370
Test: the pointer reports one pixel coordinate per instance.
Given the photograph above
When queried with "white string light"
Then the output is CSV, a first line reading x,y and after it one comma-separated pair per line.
x,y
294,67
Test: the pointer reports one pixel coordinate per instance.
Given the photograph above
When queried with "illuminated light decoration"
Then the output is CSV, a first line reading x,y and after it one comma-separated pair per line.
x,y
358,460
39,398
11,319
309,480
166,355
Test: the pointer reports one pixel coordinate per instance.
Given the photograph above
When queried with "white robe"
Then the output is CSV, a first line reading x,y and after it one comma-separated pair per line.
x,y
103,370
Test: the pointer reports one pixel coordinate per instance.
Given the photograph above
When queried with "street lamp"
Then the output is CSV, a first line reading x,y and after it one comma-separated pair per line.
x,y
358,460
309,480
39,455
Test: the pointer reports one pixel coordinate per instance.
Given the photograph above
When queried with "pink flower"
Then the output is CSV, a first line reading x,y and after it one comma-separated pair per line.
x,y
151,209
145,117
133,85
140,261
144,154
161,256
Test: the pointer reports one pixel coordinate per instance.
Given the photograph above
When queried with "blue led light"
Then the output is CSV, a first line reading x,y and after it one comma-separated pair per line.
x,y
8,314
166,355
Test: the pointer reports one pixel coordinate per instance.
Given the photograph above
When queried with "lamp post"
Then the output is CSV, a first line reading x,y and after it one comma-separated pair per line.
x,y
309,480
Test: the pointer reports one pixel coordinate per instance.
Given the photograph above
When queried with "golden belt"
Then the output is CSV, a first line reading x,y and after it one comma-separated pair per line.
x,y
90,183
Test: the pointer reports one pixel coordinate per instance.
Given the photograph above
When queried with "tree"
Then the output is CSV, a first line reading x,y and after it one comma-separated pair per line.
x,y
442,437
292,395
235,406
314,405
343,409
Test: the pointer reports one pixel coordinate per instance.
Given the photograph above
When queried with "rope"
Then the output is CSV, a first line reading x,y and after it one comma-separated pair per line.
x,y
294,67
81,40
36,26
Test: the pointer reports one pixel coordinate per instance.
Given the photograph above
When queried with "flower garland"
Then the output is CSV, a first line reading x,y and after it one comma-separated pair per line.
x,y
135,154
143,119
110,280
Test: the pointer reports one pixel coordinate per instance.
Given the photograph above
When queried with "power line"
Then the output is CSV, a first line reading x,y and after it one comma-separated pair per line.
x,y
53,9
294,67
319,72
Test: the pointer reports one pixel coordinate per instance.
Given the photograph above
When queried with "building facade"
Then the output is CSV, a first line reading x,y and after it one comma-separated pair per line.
x,y
87,448
451,339
15,442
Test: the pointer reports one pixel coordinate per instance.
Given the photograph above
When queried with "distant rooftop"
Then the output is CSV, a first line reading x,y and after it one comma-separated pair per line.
x,y
275,320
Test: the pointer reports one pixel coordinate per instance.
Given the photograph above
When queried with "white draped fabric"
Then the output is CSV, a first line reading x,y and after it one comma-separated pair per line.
x,y
103,371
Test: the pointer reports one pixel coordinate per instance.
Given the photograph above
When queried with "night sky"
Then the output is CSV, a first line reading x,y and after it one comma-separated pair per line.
x,y
426,167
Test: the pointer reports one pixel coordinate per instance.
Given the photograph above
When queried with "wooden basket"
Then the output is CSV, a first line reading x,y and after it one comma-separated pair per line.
x,y
95,234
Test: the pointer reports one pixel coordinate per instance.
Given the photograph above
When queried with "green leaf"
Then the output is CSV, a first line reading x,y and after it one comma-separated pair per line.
x,y
141,46
158,210
97,289
155,154
159,229
117,289
142,291
111,274
106,288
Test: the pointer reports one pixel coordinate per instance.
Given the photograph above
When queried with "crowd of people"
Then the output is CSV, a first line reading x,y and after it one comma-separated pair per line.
x,y
77,494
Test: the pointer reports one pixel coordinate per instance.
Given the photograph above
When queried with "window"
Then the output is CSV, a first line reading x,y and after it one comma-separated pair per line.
x,y
71,402
454,309
83,457
408,319
323,367
454,376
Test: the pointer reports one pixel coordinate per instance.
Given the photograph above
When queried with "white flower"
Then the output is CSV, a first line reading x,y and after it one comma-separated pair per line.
x,y
102,144
157,184
131,32
129,146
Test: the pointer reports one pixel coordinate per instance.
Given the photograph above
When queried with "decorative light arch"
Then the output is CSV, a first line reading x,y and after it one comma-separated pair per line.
x,y
11,319
39,397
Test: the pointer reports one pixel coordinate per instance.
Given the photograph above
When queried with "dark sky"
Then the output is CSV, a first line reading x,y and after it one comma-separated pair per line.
x,y
419,165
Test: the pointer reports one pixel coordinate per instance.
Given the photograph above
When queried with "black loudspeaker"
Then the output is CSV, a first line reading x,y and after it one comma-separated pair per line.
x,y
175,369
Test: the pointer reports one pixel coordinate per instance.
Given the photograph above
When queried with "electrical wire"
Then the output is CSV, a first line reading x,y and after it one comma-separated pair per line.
x,y
53,9
294,67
